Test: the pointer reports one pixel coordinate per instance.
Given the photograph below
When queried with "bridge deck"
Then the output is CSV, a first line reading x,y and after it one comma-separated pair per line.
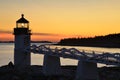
x,y
72,53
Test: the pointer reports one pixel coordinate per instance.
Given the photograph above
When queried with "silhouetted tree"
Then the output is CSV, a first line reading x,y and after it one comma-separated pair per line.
x,y
111,40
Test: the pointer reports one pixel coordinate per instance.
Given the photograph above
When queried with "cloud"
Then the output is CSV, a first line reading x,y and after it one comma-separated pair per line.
x,y
45,34
3,31
42,34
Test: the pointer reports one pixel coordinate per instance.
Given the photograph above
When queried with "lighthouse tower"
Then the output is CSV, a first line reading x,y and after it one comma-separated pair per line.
x,y
22,41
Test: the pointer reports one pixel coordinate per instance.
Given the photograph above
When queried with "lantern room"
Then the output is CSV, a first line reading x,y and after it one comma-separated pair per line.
x,y
22,26
22,22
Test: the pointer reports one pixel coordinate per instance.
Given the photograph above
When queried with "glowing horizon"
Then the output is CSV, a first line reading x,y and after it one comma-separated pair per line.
x,y
54,20
9,36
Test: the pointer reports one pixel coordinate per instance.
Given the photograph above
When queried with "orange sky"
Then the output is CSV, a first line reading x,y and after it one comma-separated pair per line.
x,y
66,18
53,38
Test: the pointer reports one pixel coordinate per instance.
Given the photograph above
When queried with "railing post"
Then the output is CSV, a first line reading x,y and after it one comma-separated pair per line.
x,y
86,71
51,65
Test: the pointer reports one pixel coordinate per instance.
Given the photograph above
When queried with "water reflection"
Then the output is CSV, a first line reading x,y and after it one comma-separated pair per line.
x,y
91,49
7,53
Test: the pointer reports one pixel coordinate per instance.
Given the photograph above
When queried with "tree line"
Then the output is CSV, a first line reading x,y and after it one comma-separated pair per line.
x,y
111,40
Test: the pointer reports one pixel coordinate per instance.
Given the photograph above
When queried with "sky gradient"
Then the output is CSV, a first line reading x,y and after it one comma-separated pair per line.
x,y
55,19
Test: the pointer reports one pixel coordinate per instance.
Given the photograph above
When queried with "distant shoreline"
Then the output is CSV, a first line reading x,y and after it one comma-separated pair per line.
x,y
87,46
31,42
108,41
68,44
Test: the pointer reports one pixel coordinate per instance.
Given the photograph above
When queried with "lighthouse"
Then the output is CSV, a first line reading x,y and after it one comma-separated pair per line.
x,y
22,40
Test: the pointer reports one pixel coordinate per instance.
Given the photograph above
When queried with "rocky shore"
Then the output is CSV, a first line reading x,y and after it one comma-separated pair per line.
x,y
9,72
34,72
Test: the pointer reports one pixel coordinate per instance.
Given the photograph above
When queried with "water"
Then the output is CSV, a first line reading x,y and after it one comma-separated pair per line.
x,y
7,54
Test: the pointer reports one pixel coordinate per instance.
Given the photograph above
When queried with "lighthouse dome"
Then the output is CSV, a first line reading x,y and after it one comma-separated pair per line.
x,y
22,20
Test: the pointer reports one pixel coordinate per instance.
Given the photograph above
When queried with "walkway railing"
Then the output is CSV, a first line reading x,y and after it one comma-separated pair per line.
x,y
72,53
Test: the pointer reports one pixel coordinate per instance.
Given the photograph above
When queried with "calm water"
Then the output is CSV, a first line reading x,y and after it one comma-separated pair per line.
x,y
7,54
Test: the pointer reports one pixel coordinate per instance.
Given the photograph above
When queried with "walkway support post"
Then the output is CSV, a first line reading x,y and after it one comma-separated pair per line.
x,y
86,71
51,65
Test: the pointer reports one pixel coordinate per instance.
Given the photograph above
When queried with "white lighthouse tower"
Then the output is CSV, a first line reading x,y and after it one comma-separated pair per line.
x,y
22,40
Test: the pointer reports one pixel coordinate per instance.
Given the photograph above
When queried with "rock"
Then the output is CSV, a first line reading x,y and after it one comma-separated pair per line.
x,y
10,64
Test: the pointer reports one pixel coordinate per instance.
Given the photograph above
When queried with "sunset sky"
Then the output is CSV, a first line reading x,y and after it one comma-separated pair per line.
x,y
53,20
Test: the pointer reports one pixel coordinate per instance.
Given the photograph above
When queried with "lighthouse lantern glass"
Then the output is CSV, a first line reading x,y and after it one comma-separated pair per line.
x,y
21,25
22,22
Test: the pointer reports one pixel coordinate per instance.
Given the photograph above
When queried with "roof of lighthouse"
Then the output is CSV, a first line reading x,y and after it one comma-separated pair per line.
x,y
22,20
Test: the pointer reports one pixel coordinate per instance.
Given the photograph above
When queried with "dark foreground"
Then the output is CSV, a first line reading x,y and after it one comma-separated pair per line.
x,y
8,72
